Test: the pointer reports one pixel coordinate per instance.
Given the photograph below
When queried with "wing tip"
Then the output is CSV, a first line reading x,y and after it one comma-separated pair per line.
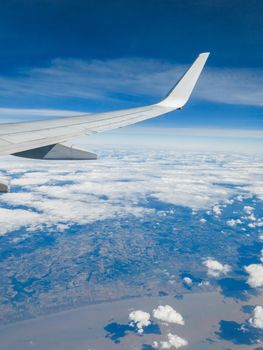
x,y
180,93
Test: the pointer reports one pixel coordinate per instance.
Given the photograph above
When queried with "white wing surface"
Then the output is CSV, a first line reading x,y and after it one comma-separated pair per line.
x,y
44,139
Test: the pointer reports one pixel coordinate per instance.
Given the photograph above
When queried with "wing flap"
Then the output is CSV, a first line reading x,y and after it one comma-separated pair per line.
x,y
57,152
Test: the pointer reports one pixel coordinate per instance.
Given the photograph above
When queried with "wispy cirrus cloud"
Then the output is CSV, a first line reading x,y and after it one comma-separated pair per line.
x,y
127,78
16,114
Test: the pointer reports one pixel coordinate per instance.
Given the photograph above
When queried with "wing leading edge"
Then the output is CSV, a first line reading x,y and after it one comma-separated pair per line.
x,y
20,138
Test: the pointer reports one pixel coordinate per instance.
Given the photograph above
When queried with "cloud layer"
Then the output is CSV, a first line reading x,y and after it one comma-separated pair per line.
x,y
61,194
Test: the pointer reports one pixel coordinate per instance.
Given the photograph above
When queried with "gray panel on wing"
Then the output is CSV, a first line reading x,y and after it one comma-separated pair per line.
x,y
57,152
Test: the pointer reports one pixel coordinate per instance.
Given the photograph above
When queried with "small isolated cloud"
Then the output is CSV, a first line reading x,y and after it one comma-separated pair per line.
x,y
252,217
215,268
233,222
204,284
188,281
217,210
255,272
168,314
255,224
139,319
257,319
173,341
248,209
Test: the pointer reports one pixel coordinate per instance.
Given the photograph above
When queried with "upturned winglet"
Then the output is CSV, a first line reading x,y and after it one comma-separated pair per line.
x,y
180,93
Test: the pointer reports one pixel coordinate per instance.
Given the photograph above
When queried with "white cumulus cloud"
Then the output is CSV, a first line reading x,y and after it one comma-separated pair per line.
x,y
188,281
217,210
231,223
139,319
248,209
255,272
167,314
173,341
257,319
215,268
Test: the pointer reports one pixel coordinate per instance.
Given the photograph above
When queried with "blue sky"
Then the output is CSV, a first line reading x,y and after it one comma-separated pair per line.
x,y
100,55
35,31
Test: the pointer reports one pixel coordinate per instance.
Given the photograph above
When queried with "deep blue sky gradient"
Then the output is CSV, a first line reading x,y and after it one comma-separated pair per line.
x,y
35,31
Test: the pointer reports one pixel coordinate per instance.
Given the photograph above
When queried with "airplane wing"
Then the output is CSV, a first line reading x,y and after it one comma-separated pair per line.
x,y
44,139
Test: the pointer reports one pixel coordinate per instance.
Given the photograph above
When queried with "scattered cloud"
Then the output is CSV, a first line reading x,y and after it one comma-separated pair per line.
x,y
248,209
173,341
259,223
233,222
215,268
217,210
204,284
168,314
188,281
139,319
255,272
257,319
